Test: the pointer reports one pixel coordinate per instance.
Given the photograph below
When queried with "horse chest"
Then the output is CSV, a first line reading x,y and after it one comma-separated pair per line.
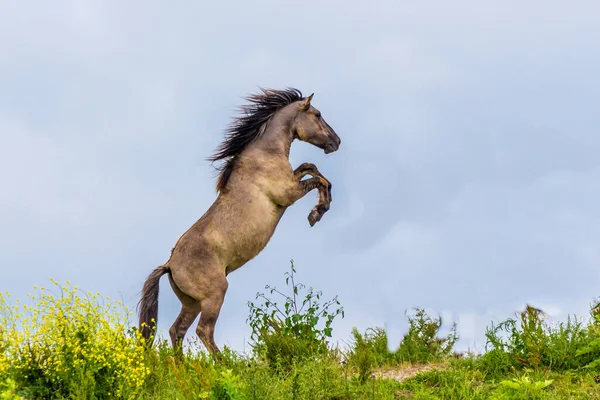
x,y
258,228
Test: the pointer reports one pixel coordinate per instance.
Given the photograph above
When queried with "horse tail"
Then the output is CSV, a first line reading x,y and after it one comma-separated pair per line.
x,y
148,305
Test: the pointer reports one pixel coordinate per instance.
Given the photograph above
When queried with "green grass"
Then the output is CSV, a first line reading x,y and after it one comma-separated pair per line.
x,y
69,346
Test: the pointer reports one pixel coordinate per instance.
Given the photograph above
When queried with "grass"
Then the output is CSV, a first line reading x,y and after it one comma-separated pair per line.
x,y
74,345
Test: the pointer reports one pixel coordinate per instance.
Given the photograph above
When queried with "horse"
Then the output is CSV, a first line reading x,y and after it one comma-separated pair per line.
x,y
256,184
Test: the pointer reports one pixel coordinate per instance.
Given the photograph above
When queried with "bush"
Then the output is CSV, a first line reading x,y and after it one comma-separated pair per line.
x,y
70,344
421,344
295,331
588,352
364,352
531,342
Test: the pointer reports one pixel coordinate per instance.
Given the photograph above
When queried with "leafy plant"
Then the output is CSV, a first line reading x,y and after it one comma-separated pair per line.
x,y
525,383
590,352
521,388
297,328
228,386
363,354
421,344
530,342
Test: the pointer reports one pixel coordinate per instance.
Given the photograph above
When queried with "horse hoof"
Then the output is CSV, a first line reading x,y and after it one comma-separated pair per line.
x,y
314,217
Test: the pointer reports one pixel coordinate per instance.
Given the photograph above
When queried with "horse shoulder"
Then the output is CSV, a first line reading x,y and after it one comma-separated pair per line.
x,y
272,177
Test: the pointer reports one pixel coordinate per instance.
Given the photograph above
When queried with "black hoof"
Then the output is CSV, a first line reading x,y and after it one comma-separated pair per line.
x,y
314,217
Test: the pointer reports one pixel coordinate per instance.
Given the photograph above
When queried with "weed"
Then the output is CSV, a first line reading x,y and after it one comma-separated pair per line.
x,y
296,330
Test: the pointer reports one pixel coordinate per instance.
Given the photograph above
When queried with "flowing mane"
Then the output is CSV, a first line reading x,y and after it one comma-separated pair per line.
x,y
247,127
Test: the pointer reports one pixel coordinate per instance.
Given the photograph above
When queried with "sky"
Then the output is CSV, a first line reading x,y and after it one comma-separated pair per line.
x,y
467,183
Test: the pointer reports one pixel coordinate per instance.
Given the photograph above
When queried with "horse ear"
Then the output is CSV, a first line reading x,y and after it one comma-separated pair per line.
x,y
305,105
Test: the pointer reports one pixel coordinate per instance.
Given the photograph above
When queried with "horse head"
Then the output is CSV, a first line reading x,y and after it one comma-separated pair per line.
x,y
310,126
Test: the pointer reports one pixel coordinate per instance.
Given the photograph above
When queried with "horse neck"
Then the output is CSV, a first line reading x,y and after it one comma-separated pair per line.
x,y
278,136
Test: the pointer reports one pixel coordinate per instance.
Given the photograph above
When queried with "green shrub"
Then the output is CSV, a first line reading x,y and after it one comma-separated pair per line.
x,y
421,344
530,342
589,352
294,331
362,357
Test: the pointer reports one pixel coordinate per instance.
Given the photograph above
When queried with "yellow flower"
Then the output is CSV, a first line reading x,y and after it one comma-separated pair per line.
x,y
73,333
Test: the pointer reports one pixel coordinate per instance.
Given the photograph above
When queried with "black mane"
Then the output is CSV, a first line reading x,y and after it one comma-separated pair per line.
x,y
246,127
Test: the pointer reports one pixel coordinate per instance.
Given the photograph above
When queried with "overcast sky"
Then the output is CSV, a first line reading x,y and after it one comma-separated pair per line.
x,y
468,180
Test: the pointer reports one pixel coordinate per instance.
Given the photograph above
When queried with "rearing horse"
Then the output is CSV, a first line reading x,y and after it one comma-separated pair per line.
x,y
256,184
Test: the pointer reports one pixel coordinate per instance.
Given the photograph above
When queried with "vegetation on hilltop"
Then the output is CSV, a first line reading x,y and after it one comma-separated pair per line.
x,y
76,345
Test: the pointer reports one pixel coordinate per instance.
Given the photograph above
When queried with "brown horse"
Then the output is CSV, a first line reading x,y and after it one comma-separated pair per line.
x,y
256,185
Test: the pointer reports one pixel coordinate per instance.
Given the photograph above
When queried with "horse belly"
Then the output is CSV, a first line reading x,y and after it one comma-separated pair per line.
x,y
254,232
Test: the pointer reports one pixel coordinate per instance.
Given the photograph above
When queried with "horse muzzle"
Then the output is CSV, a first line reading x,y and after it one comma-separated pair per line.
x,y
332,145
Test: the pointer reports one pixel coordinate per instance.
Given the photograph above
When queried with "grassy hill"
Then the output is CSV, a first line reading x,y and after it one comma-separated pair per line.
x,y
68,344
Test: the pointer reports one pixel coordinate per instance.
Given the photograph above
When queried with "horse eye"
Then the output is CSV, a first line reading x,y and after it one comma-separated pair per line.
x,y
318,115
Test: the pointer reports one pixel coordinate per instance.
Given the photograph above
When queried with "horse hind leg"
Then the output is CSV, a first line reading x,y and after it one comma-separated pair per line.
x,y
211,301
211,307
184,320
190,308
205,282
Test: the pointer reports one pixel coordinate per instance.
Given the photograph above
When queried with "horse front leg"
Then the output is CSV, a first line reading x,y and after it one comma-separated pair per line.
x,y
317,181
